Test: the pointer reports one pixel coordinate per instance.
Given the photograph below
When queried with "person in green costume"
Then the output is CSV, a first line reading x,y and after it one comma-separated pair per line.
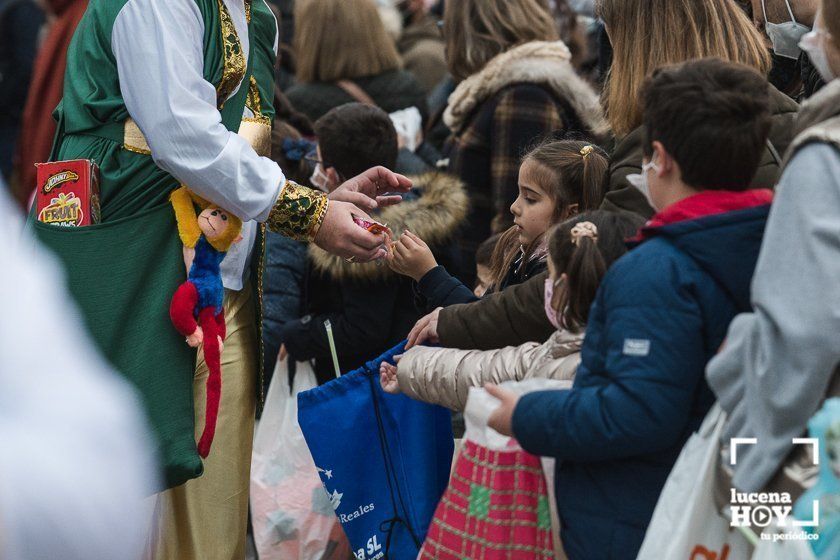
x,y
164,93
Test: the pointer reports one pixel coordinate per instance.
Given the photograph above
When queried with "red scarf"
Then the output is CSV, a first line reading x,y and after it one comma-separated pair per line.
x,y
702,204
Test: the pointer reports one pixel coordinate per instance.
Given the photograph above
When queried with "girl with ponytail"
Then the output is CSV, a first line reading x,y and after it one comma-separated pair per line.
x,y
557,180
580,251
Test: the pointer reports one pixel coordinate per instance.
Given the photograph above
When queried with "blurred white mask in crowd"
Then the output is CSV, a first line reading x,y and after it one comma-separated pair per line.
x,y
813,43
785,36
640,181
319,179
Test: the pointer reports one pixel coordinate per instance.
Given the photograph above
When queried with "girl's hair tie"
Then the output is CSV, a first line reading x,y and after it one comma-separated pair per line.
x,y
584,229
586,150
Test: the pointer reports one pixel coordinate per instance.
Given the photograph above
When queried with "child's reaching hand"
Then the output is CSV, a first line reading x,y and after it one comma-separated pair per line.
x,y
411,257
388,378
501,419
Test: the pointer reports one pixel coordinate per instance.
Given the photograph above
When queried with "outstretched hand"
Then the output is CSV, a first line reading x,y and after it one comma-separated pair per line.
x,y
411,257
501,419
340,235
425,330
388,377
371,189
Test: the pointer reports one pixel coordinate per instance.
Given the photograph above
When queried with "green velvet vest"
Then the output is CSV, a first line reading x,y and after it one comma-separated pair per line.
x,y
123,271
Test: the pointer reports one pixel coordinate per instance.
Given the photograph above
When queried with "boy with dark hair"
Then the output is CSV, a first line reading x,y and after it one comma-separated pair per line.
x,y
661,312
716,133
351,139
370,308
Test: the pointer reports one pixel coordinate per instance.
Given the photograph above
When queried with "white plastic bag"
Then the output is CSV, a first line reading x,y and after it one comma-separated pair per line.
x,y
409,126
292,515
480,405
686,524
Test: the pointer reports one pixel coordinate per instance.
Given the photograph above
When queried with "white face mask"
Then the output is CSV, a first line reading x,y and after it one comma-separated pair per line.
x,y
813,44
319,179
785,36
640,181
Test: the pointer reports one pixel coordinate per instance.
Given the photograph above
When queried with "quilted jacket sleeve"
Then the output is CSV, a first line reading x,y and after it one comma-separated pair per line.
x,y
444,375
643,358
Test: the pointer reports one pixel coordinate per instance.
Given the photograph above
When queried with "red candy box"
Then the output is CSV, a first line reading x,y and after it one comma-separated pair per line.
x,y
68,193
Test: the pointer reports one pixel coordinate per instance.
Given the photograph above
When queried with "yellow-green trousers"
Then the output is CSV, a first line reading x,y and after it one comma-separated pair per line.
x,y
206,518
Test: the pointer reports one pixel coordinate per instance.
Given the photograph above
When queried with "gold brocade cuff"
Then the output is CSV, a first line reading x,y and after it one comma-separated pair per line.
x,y
298,212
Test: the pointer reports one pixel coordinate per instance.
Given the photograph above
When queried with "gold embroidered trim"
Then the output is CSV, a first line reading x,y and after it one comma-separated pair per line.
x,y
248,11
298,212
234,62
133,139
253,101
265,121
137,150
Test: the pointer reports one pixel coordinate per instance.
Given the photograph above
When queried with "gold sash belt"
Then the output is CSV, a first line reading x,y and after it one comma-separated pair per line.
x,y
257,131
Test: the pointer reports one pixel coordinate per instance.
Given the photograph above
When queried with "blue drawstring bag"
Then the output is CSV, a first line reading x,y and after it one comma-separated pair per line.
x,y
384,459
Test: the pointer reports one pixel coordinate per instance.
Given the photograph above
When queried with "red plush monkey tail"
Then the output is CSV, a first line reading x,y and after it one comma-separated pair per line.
x,y
213,358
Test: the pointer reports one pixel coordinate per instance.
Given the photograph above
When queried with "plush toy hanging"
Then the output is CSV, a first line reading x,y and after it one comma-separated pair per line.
x,y
197,305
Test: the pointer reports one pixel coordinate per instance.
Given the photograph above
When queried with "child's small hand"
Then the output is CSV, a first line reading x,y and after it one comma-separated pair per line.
x,y
388,379
425,330
411,257
501,419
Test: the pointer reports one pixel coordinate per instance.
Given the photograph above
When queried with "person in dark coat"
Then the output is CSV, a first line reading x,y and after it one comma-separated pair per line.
x,y
370,308
344,54
20,21
421,45
793,72
285,259
637,30
508,318
516,86
37,127
660,314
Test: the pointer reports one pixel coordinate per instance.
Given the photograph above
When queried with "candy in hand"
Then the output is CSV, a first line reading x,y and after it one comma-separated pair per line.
x,y
372,226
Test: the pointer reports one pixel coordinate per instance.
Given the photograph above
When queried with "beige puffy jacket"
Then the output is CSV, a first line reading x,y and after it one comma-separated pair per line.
x,y
444,375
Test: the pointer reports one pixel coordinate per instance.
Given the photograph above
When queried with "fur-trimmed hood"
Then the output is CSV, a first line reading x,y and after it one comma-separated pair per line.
x,y
433,216
539,62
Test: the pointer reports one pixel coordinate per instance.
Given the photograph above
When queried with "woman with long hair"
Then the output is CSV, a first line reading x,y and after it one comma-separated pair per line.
x,y
516,86
344,54
648,34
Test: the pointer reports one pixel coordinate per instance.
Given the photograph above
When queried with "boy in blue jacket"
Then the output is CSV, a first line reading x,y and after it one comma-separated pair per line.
x,y
661,312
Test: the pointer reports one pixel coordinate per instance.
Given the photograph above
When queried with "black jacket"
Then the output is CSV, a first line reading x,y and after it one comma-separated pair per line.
x,y
370,307
285,270
438,288
392,91
627,157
